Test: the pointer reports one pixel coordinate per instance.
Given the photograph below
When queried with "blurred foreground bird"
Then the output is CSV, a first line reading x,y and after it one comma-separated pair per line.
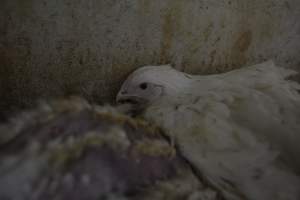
x,y
69,149
240,129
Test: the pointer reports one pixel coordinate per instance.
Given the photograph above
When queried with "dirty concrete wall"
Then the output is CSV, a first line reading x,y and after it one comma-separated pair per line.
x,y
63,47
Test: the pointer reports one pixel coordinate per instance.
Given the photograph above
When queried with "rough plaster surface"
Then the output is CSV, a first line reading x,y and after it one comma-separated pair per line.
x,y
62,47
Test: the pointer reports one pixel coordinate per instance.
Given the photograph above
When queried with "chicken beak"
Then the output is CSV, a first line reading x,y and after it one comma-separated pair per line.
x,y
130,104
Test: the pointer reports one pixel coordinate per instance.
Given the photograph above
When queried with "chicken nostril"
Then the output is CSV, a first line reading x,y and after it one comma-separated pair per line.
x,y
124,92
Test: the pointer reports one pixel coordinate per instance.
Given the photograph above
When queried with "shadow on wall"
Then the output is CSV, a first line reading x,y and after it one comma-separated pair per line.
x,y
62,48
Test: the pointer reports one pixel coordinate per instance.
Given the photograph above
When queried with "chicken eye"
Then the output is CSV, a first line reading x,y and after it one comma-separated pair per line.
x,y
143,86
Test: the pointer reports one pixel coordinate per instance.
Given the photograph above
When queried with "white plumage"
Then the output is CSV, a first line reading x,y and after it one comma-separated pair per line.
x,y
240,130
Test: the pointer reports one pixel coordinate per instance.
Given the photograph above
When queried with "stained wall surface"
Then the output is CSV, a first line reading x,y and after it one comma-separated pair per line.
x,y
63,47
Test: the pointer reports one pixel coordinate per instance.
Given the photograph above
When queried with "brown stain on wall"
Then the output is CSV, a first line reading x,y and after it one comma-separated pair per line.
x,y
212,56
240,47
170,25
167,37
243,42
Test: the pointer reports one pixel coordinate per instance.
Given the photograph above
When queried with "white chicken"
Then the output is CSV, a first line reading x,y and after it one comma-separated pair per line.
x,y
240,129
